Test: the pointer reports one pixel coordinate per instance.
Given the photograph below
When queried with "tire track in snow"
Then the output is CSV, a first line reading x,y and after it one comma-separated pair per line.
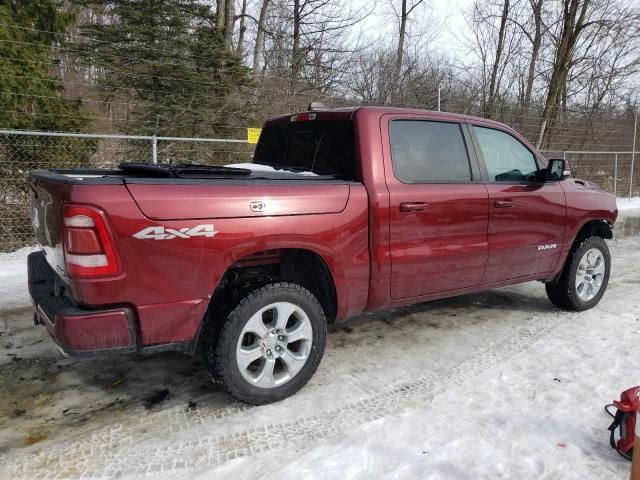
x,y
118,450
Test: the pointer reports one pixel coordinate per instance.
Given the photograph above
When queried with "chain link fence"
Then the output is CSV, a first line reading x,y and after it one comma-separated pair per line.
x,y
21,152
616,172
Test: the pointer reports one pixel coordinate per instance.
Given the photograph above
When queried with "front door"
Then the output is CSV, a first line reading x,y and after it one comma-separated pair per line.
x,y
526,217
438,210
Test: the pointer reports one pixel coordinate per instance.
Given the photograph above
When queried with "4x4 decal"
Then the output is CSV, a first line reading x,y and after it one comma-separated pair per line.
x,y
165,233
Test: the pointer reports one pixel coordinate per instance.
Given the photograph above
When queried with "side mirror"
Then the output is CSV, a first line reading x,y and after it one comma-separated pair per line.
x,y
558,169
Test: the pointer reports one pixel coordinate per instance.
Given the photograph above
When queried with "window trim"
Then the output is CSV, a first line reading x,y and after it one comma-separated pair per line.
x,y
474,174
483,163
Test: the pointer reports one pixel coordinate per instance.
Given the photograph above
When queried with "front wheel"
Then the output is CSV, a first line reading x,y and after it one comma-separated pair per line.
x,y
584,278
270,345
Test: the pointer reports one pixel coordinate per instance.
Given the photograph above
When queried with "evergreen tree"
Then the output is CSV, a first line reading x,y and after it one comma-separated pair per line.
x,y
31,99
30,94
165,59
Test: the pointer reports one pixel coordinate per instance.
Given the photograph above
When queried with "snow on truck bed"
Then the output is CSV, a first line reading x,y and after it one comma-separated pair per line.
x,y
498,384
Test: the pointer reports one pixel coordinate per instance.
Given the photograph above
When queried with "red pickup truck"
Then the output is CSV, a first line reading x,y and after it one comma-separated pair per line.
x,y
342,211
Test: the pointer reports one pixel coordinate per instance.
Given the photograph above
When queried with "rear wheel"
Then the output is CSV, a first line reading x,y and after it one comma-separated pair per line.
x,y
584,278
270,345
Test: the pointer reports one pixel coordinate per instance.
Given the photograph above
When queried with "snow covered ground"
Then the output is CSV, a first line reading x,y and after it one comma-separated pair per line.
x,y
498,384
13,279
628,203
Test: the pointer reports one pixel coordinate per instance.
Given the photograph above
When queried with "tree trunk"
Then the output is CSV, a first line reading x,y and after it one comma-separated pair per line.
x,y
220,16
295,49
493,81
258,49
229,21
243,29
536,8
572,24
397,68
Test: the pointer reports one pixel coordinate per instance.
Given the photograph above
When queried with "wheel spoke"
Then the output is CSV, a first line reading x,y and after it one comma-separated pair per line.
x,y
599,267
246,356
590,294
284,312
294,362
256,325
300,331
265,377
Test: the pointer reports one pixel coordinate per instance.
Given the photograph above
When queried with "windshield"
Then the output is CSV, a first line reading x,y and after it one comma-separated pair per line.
x,y
325,148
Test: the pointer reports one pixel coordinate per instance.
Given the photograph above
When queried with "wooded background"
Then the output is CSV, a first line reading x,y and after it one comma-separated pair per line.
x,y
562,72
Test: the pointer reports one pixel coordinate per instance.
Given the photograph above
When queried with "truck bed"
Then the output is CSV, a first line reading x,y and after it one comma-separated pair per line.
x,y
103,176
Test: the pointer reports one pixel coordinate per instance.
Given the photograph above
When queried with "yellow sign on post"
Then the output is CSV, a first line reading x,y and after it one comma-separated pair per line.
x,y
253,134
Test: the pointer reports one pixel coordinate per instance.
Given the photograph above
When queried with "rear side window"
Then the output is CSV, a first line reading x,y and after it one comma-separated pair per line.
x,y
429,152
322,147
507,159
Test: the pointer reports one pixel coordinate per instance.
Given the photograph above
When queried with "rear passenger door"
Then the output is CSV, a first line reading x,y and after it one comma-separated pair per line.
x,y
438,207
526,217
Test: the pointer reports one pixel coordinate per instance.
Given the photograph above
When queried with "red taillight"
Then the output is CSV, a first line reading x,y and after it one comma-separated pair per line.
x,y
303,117
88,244
83,241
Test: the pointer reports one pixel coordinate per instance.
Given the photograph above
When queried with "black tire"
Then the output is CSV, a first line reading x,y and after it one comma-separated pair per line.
x,y
563,293
220,353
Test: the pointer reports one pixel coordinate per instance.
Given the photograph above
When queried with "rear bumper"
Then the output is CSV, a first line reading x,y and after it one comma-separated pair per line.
x,y
78,331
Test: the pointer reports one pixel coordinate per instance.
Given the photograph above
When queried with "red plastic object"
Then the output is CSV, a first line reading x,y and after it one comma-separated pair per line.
x,y
628,403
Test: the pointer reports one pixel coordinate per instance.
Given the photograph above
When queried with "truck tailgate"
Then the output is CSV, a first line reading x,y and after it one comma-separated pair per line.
x,y
231,201
46,216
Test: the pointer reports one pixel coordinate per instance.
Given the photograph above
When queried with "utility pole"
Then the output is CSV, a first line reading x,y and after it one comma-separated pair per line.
x,y
438,97
633,153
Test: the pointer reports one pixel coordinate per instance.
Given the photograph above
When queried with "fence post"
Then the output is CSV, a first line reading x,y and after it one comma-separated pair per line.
x,y
154,149
615,176
633,153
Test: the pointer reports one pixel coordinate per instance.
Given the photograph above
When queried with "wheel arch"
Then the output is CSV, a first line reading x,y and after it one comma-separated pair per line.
x,y
303,266
593,227
598,227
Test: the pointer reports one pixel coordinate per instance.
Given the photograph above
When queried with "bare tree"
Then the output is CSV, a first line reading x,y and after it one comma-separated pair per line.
x,y
536,43
402,16
229,21
372,77
225,19
497,45
220,15
493,81
309,43
258,48
242,30
573,24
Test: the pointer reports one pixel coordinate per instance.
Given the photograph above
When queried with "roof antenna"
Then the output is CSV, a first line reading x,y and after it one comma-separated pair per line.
x,y
315,106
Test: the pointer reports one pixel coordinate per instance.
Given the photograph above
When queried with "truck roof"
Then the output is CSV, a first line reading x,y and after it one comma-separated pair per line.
x,y
344,113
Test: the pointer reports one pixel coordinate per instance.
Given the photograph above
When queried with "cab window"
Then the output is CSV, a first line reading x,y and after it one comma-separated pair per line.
x,y
506,158
428,152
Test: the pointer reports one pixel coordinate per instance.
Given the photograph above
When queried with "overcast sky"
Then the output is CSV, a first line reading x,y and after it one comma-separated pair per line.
x,y
444,15
447,14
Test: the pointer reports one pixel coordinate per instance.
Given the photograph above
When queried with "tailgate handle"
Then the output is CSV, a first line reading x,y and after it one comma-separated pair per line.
x,y
506,203
413,206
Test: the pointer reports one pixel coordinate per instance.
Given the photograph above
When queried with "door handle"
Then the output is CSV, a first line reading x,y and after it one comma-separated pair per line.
x,y
506,203
413,206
